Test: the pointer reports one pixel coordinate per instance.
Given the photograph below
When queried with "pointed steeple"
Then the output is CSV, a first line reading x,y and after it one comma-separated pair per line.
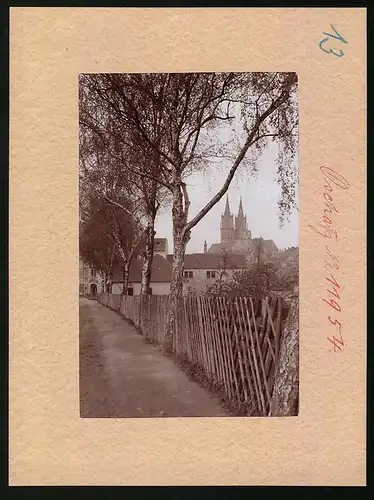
x,y
241,213
227,208
227,224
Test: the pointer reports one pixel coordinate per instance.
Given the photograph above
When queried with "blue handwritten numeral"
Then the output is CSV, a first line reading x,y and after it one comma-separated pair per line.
x,y
337,36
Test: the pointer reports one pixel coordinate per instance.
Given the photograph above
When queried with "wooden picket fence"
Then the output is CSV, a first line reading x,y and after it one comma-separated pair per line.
x,y
235,341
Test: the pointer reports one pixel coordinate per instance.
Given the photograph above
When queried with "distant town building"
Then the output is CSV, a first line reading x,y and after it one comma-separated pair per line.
x,y
237,250
237,238
230,232
161,246
90,281
160,279
202,269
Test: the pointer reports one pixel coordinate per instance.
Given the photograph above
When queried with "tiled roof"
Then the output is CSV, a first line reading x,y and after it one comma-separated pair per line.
x,y
217,247
212,261
269,245
161,270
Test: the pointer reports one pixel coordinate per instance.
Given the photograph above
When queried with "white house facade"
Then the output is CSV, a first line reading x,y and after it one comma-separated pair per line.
x,y
202,269
160,278
90,281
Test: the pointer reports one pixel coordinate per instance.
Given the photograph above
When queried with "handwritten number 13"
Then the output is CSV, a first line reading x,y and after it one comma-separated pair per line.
x,y
337,36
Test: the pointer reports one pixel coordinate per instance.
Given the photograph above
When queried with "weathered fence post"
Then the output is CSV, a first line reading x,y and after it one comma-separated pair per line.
x,y
285,400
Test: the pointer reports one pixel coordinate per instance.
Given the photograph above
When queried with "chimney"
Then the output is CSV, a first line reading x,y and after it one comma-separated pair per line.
x,y
205,247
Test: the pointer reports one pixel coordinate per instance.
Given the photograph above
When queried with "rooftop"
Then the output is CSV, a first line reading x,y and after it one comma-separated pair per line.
x,y
213,261
161,270
245,245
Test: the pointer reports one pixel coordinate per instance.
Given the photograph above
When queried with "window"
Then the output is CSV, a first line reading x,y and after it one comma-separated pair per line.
x,y
93,273
130,291
210,274
188,274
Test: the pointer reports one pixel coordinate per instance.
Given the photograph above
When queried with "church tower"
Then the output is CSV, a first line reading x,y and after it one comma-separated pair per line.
x,y
241,229
227,225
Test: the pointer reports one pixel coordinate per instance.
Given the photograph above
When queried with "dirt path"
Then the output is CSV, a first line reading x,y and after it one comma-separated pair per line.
x,y
122,376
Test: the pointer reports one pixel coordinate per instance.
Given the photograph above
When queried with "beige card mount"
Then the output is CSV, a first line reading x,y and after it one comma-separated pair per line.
x,y
50,444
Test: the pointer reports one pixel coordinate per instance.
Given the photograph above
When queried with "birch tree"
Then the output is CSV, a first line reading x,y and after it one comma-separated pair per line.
x,y
126,235
97,250
136,164
112,215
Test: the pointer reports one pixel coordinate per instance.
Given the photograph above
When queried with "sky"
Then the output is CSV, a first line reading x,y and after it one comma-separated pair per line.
x,y
260,196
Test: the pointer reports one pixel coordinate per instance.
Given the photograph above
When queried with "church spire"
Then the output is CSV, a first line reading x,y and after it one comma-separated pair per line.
x,y
227,209
227,224
241,213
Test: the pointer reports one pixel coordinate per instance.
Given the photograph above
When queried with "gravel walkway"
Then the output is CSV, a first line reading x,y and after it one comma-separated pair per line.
x,y
122,376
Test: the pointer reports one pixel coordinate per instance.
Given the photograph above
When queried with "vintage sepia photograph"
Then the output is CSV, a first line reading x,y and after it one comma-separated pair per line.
x,y
188,245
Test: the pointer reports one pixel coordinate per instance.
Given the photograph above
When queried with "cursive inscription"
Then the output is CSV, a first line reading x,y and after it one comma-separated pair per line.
x,y
327,229
337,36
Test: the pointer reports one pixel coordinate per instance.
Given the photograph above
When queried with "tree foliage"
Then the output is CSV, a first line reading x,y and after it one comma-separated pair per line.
x,y
182,122
163,127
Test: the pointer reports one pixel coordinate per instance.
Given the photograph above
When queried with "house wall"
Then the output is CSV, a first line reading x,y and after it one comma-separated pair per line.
x,y
87,278
200,274
161,247
159,288
97,280
200,281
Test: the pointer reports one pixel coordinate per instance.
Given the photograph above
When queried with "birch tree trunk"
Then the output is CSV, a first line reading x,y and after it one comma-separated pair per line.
x,y
285,400
176,290
105,282
180,240
109,272
109,285
125,278
148,258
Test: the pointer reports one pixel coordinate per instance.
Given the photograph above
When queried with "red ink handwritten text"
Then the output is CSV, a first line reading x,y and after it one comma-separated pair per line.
x,y
327,229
